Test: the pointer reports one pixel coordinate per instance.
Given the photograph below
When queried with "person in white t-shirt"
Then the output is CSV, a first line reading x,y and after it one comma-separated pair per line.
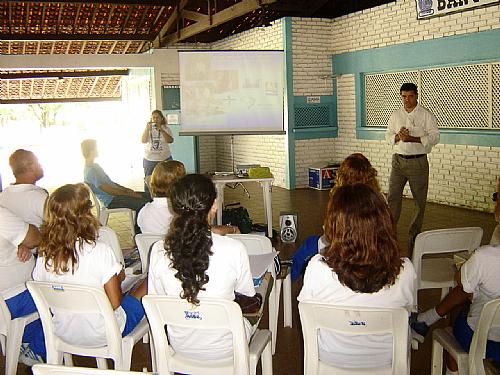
x,y
17,238
478,282
155,217
193,262
70,252
156,138
354,169
360,267
23,197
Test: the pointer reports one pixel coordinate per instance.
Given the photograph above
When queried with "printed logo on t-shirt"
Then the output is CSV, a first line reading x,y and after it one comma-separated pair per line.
x,y
356,323
192,315
156,141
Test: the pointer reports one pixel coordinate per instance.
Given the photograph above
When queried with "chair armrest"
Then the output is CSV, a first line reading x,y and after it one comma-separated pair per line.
x,y
259,341
448,341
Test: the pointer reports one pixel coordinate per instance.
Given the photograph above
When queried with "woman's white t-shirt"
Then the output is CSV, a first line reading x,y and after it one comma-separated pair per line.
x,y
155,217
228,271
96,265
321,284
156,149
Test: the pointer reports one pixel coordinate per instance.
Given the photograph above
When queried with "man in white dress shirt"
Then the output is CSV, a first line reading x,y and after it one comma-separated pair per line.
x,y
413,131
23,197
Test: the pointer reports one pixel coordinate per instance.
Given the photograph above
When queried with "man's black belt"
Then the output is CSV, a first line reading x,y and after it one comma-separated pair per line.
x,y
411,156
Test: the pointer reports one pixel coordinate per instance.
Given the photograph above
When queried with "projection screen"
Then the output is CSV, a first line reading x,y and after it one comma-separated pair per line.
x,y
231,92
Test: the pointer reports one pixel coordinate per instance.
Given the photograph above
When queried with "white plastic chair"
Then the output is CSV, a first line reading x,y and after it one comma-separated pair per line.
x,y
80,299
11,334
212,314
316,316
257,244
43,369
108,235
472,362
103,212
144,241
440,272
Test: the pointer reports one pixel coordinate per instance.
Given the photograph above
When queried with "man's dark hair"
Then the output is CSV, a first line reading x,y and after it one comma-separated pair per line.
x,y
408,86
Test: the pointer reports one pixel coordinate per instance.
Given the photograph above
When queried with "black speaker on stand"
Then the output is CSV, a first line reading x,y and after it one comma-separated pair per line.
x,y
288,226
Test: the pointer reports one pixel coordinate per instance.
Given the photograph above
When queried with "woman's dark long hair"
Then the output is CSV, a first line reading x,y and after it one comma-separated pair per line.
x,y
364,251
189,241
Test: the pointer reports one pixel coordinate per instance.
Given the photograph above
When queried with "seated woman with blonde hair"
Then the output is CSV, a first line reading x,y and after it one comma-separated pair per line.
x,y
155,217
71,252
355,168
360,267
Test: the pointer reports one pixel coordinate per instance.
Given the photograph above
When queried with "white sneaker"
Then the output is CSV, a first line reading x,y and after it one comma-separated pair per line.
x,y
28,356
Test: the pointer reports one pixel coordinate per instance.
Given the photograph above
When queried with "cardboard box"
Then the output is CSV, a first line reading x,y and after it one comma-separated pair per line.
x,y
322,177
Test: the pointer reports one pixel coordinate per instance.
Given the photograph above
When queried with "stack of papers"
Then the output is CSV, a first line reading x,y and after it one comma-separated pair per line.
x,y
259,265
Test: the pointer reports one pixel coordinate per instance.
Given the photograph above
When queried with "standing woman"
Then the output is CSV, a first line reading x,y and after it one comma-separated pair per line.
x,y
360,267
70,252
193,262
156,136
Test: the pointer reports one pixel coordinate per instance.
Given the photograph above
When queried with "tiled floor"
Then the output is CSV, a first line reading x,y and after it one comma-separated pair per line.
x,y
309,206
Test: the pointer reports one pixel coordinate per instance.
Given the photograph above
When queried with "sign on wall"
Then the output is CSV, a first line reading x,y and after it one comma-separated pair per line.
x,y
434,8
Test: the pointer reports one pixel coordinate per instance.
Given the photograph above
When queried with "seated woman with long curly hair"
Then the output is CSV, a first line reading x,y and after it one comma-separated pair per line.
x,y
355,169
361,267
70,252
193,262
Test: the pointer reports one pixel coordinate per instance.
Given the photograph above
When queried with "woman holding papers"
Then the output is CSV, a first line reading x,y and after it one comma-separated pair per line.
x,y
193,262
360,267
70,252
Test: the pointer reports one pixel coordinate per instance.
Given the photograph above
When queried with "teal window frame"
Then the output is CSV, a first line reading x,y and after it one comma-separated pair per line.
x,y
474,48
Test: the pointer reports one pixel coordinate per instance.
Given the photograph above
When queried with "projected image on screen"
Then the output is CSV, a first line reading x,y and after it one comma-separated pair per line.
x,y
231,92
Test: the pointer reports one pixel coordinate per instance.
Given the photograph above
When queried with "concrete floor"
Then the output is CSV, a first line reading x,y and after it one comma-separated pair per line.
x,y
309,205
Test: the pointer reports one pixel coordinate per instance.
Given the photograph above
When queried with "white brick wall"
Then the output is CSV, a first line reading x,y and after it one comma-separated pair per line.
x,y
459,175
261,38
311,58
265,150
397,22
254,149
207,158
169,79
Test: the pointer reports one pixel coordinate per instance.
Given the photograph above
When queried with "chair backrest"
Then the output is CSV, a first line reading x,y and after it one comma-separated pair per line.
x,y
211,314
449,240
254,243
5,317
144,242
95,202
108,235
43,369
490,317
78,299
353,321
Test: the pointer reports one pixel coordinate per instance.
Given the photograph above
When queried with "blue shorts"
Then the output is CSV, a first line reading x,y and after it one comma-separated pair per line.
x,y
463,333
22,305
134,311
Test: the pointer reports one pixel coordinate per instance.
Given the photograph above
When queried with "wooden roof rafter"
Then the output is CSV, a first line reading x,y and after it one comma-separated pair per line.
x,y
205,22
77,20
173,19
111,2
70,37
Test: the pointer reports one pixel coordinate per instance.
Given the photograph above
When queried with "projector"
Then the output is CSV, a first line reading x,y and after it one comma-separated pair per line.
x,y
242,169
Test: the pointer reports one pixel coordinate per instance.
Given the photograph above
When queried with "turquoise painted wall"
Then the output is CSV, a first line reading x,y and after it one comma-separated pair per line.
x,y
481,47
